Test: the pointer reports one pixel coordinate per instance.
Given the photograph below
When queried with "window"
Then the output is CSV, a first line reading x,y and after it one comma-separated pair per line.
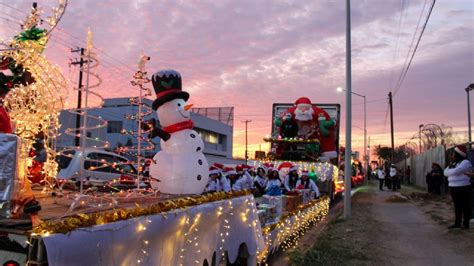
x,y
99,162
114,126
209,137
89,134
65,158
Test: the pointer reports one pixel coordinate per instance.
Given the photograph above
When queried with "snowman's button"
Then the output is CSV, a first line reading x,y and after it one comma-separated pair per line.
x,y
198,149
199,177
200,162
192,135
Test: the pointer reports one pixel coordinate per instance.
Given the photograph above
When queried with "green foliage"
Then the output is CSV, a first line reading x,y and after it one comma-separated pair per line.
x,y
384,153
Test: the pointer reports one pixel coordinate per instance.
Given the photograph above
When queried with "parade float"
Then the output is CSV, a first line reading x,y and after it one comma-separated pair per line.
x,y
307,135
170,222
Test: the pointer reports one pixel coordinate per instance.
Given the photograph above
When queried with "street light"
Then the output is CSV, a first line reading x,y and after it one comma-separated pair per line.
x,y
347,155
419,134
469,88
366,166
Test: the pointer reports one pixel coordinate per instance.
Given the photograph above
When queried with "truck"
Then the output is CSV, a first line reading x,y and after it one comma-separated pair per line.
x,y
306,152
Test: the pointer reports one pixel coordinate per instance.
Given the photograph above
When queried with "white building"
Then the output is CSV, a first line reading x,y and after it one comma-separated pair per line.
x,y
215,125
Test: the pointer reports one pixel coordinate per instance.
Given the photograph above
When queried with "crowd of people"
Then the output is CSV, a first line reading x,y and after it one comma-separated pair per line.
x,y
391,177
457,177
261,180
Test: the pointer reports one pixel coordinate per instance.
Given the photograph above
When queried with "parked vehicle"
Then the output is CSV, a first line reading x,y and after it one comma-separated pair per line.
x,y
99,167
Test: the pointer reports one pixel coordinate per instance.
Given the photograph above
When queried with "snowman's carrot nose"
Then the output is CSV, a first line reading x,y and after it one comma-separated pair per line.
x,y
188,106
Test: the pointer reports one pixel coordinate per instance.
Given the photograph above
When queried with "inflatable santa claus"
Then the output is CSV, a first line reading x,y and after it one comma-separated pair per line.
x,y
315,123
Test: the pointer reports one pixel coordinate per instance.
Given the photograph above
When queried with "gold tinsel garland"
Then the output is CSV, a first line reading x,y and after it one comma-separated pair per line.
x,y
71,223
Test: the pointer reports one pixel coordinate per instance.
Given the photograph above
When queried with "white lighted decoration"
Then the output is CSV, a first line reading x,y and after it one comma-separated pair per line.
x,y
180,166
34,107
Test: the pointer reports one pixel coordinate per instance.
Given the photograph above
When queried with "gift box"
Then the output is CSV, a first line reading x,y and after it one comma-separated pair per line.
x,y
307,196
270,210
275,200
262,217
291,202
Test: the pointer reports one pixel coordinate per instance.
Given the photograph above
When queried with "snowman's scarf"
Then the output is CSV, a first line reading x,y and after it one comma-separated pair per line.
x,y
188,124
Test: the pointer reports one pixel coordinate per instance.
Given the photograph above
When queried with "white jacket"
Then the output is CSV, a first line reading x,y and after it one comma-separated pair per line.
x,y
262,181
244,182
393,171
381,174
312,186
457,175
221,184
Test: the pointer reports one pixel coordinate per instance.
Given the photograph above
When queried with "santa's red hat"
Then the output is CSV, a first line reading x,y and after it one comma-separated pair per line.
x,y
218,165
239,169
214,170
229,170
269,166
461,150
304,173
285,165
303,100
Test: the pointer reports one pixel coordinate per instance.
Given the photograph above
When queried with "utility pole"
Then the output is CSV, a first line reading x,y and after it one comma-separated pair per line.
x,y
391,123
246,140
79,93
368,155
469,88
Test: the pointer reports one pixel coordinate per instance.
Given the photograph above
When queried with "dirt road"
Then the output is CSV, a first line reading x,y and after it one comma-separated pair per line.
x,y
413,238
387,228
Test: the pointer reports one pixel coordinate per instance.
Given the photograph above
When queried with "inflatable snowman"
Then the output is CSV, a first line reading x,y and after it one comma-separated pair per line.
x,y
180,166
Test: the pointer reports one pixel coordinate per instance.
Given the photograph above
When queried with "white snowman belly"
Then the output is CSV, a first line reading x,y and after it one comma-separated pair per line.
x,y
184,141
180,173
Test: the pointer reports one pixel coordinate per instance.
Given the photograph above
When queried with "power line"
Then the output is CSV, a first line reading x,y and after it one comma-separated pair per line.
x,y
404,73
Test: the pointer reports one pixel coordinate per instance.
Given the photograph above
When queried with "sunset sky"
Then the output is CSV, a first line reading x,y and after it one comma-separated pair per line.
x,y
249,54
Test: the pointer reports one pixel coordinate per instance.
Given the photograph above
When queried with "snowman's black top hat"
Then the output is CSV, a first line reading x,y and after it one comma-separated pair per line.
x,y
167,85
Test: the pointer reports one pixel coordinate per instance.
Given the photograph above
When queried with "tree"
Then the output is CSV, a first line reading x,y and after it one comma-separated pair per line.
x,y
384,153
401,153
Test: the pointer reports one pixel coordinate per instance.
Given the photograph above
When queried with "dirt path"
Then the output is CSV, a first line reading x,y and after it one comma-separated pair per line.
x,y
412,237
386,228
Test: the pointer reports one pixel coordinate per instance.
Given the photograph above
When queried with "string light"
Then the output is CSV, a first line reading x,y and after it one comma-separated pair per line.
x,y
140,79
279,139
34,107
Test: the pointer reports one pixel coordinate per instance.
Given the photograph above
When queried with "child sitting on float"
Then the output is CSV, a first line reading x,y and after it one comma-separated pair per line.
x,y
306,183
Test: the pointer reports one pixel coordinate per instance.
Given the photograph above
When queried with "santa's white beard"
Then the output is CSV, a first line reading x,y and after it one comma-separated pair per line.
x,y
303,116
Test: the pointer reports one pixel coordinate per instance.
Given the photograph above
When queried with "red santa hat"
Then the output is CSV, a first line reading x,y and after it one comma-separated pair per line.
x,y
214,170
219,165
285,165
304,172
229,170
303,100
461,150
268,166
239,169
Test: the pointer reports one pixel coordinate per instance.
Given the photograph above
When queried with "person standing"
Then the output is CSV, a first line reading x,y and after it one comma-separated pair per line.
x,y
407,175
394,177
381,176
460,185
437,177
388,179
